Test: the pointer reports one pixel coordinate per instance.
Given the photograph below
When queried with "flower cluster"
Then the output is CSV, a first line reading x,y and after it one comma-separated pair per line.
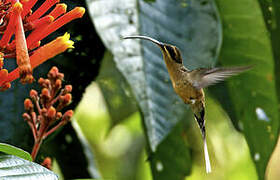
x,y
17,18
43,112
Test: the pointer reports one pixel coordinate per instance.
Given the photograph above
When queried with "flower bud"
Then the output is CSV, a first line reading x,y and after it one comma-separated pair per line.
x,y
67,116
68,88
58,84
44,111
26,117
65,100
45,93
68,98
53,73
33,94
5,86
41,81
60,76
51,112
47,83
58,115
28,105
47,163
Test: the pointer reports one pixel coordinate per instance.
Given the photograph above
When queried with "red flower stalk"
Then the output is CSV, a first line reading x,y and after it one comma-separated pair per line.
x,y
47,117
16,18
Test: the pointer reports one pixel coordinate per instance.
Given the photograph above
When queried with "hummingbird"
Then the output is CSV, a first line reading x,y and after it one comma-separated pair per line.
x,y
189,84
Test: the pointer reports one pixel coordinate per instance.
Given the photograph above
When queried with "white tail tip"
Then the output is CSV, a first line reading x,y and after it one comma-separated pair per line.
x,y
206,156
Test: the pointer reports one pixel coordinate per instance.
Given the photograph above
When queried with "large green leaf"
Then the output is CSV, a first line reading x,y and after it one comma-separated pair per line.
x,y
252,94
117,94
173,158
197,32
271,13
13,167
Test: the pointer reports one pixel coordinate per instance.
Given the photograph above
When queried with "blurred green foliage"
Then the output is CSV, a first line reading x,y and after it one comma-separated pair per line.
x,y
125,142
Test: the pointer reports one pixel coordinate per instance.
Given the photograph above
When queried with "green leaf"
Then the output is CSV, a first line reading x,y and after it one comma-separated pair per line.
x,y
117,94
145,70
221,94
252,94
13,167
91,179
271,13
173,158
12,150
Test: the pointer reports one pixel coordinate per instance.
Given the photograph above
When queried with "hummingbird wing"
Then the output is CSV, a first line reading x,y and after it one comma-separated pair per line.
x,y
201,78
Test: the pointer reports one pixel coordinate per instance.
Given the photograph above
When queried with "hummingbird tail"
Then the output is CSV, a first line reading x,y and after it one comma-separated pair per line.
x,y
201,123
206,156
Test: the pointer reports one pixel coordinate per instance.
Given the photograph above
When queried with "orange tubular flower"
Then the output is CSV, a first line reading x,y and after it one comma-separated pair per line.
x,y
18,17
21,47
58,10
41,10
77,12
42,54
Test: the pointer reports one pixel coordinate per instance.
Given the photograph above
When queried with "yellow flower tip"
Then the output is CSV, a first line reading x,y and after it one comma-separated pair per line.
x,y
18,7
66,36
70,44
51,49
67,43
80,11
62,6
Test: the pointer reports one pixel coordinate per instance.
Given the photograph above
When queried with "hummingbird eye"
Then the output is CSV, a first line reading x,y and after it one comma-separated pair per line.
x,y
174,53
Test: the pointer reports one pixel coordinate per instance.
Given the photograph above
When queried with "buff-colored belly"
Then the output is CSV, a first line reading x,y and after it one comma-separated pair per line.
x,y
188,93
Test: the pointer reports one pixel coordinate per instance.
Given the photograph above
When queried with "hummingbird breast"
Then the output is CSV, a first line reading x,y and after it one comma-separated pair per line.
x,y
187,92
179,76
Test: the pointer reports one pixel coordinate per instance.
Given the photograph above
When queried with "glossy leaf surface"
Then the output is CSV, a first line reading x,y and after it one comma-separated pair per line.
x,y
252,94
12,167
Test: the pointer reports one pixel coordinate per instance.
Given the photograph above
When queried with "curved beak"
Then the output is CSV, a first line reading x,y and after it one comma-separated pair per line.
x,y
160,44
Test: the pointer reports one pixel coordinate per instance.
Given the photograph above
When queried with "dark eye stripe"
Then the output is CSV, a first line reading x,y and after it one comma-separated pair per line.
x,y
173,54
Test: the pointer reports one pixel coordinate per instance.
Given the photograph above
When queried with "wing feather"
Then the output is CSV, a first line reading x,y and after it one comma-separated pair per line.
x,y
204,77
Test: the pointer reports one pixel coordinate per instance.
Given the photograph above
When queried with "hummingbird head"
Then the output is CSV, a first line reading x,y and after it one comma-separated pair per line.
x,y
171,53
